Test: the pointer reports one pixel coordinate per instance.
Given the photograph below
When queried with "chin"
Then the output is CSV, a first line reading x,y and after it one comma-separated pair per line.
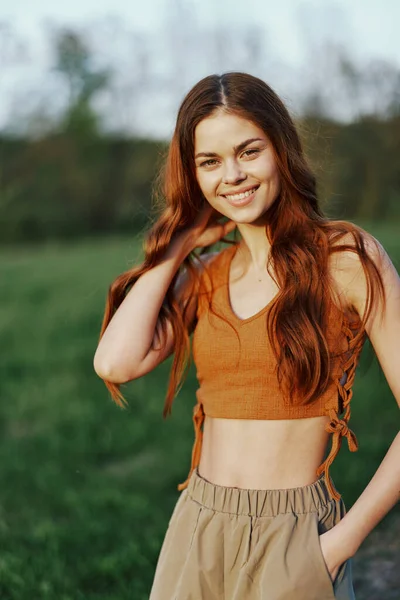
x,y
249,216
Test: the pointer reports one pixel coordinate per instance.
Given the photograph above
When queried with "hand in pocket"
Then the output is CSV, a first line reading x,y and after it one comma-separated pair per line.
x,y
332,551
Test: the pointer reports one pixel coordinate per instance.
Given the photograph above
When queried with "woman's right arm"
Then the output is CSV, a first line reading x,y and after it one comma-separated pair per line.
x,y
125,349
132,344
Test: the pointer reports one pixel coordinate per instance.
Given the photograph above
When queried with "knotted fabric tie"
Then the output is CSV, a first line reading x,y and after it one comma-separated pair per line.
x,y
198,419
339,429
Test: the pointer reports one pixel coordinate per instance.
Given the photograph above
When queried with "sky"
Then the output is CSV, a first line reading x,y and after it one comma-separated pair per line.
x,y
293,31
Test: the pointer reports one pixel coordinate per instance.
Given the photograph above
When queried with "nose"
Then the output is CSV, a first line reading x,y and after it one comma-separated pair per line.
x,y
232,172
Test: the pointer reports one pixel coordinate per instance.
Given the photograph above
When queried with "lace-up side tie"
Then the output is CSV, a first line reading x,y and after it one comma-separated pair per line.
x,y
338,426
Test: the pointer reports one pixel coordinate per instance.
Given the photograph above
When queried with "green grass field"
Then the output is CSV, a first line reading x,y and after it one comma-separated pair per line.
x,y
86,488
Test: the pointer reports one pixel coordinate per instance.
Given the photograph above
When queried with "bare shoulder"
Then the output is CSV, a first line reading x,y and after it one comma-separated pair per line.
x,y
345,248
346,266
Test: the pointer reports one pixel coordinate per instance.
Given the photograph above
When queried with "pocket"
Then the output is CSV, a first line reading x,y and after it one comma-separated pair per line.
x,y
322,526
194,528
177,506
179,537
183,523
319,559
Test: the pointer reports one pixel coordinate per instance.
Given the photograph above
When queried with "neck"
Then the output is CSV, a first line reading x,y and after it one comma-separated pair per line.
x,y
254,245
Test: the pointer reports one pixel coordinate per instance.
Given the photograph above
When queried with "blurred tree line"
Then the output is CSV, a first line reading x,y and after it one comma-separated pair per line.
x,y
78,180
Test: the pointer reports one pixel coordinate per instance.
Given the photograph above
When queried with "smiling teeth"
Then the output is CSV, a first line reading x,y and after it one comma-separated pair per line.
x,y
240,196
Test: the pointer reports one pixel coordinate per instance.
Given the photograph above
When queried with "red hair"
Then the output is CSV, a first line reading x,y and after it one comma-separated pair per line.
x,y
301,237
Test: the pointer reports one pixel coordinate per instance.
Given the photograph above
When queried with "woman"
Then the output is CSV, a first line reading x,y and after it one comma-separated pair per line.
x,y
279,319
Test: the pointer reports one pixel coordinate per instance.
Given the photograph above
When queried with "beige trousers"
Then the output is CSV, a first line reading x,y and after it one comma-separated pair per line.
x,y
225,543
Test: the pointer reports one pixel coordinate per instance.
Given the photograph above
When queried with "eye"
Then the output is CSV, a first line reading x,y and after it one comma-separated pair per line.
x,y
208,163
251,151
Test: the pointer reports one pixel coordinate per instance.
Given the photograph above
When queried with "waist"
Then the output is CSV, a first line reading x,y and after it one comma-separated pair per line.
x,y
262,454
259,502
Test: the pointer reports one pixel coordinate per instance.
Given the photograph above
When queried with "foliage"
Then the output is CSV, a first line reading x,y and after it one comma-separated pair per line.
x,y
73,60
79,183
63,186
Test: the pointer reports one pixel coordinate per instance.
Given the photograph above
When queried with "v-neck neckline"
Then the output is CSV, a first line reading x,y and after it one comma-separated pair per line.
x,y
230,254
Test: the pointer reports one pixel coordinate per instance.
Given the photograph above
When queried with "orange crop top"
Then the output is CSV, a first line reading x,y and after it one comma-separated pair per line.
x,y
236,367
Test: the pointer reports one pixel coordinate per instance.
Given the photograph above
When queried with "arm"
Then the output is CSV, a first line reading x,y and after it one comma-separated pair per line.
x,y
125,350
383,329
133,344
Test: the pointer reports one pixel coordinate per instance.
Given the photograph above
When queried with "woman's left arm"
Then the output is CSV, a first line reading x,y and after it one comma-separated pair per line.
x,y
383,330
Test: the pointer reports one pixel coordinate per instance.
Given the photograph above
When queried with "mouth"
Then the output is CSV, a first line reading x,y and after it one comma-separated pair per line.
x,y
241,199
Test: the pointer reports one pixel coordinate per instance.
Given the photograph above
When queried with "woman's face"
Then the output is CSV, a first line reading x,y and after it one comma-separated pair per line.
x,y
235,167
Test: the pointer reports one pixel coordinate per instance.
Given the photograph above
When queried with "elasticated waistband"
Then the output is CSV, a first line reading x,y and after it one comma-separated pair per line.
x,y
258,503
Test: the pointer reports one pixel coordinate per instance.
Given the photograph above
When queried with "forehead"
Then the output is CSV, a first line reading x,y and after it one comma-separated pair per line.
x,y
222,131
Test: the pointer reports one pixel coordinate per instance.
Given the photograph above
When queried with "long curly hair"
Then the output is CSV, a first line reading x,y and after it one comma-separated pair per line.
x,y
302,239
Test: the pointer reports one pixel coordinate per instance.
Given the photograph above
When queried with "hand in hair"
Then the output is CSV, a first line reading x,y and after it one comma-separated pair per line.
x,y
207,228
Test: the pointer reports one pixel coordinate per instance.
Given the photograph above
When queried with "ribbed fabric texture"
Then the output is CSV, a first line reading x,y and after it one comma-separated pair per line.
x,y
236,367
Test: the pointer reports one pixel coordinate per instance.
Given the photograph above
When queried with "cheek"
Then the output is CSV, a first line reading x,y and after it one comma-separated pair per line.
x,y
207,183
267,169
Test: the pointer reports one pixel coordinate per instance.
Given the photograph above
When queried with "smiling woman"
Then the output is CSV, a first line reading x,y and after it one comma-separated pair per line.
x,y
242,174
279,318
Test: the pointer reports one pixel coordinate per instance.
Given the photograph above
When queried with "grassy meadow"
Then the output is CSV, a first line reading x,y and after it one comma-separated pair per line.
x,y
87,488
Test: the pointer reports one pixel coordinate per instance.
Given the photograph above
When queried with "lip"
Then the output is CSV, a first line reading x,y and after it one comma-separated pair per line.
x,y
242,190
244,201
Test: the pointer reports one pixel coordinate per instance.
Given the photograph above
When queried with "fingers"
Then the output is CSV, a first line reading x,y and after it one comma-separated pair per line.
x,y
229,226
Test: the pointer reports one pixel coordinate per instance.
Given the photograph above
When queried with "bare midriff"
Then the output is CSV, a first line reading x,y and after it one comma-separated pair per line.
x,y
262,454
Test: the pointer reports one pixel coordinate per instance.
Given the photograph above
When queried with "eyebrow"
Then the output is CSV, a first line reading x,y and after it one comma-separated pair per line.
x,y
236,149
